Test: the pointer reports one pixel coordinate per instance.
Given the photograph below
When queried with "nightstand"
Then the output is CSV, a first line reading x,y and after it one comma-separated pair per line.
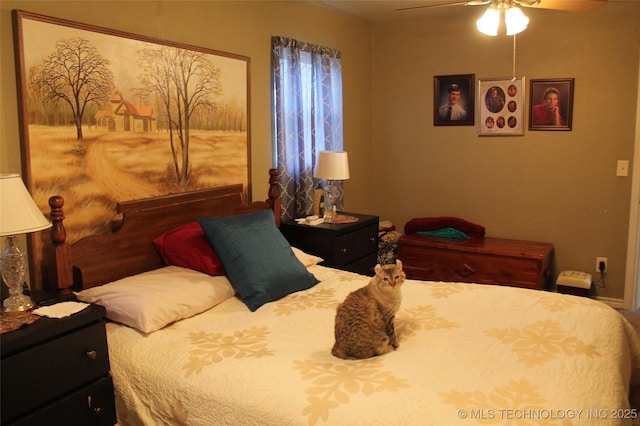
x,y
350,246
57,371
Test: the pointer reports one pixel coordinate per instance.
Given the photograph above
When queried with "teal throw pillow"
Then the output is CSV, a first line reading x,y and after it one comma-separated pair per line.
x,y
257,259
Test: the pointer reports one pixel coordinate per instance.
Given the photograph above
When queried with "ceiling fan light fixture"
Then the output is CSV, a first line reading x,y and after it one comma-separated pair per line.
x,y
489,22
515,20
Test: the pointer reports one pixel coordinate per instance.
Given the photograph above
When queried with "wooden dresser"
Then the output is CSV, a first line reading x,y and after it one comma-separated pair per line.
x,y
483,260
56,371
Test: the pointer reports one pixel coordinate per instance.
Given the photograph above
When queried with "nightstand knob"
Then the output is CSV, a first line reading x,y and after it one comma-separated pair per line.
x,y
343,250
92,355
97,411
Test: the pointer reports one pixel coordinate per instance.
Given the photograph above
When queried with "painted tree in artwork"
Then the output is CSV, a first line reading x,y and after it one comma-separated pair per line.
x,y
76,75
185,83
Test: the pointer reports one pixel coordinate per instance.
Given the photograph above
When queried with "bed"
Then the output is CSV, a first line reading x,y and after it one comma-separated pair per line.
x,y
468,353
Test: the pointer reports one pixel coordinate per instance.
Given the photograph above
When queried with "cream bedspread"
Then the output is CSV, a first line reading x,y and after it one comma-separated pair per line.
x,y
469,354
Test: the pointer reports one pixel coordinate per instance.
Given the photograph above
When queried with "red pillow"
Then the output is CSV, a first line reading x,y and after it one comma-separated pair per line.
x,y
188,247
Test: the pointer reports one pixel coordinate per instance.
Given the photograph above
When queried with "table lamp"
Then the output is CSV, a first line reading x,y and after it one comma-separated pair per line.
x,y
331,166
18,215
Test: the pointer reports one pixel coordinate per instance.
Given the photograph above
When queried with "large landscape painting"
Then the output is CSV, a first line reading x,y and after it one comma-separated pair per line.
x,y
109,117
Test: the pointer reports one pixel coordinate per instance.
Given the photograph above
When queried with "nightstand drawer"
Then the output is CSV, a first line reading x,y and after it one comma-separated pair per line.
x,y
363,266
90,405
351,246
47,371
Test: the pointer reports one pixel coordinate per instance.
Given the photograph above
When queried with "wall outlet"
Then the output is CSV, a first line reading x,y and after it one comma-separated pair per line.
x,y
601,259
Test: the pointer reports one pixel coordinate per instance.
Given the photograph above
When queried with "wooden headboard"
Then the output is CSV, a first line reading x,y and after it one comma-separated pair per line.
x,y
129,249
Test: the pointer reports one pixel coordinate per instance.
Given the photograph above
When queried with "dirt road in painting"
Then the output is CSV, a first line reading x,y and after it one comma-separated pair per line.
x,y
115,182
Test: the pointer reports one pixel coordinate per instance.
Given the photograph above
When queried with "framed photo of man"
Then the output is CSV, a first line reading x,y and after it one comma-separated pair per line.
x,y
501,104
551,104
453,100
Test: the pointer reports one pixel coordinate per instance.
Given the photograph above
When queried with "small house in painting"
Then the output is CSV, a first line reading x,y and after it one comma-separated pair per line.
x,y
124,116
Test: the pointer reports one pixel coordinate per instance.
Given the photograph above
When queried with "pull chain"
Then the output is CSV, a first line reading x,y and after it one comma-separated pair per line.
x,y
513,76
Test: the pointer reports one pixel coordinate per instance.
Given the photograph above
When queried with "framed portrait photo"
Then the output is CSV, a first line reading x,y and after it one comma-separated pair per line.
x,y
501,105
551,105
453,100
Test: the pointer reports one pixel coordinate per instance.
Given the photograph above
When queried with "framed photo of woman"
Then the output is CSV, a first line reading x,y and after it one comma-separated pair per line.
x,y
551,105
501,104
453,101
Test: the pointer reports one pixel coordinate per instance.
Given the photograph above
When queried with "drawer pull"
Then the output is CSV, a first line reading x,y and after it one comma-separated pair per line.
x,y
92,355
372,239
97,411
465,270
343,250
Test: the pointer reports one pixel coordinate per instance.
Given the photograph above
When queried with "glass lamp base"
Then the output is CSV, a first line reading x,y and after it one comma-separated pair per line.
x,y
13,265
17,303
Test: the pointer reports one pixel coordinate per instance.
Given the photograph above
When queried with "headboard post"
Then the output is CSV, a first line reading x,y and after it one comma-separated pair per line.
x,y
60,273
274,194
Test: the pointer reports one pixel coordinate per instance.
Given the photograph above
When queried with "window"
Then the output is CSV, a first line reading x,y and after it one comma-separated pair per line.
x,y
307,101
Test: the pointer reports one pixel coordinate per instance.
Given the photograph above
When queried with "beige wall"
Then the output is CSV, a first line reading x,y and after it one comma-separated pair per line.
x,y
557,187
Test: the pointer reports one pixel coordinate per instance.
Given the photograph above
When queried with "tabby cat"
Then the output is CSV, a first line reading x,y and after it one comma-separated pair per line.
x,y
365,320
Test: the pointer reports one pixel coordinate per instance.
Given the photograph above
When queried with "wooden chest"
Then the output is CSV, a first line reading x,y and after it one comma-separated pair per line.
x,y
483,260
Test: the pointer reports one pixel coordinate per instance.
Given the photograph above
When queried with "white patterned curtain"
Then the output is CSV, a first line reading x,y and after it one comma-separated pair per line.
x,y
307,97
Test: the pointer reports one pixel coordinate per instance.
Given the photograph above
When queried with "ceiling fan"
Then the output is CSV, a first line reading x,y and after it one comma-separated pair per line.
x,y
515,20
570,5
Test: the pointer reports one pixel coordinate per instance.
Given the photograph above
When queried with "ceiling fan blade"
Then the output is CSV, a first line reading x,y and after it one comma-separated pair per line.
x,y
570,5
455,3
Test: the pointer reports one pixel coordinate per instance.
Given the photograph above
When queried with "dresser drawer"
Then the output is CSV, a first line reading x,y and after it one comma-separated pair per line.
x,y
351,246
47,371
477,267
90,405
482,260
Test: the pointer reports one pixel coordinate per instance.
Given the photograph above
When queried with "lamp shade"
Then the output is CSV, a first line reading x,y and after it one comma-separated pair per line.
x,y
489,22
332,165
515,20
19,214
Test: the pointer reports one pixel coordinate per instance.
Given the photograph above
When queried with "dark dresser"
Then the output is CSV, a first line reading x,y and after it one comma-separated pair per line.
x,y
349,246
56,371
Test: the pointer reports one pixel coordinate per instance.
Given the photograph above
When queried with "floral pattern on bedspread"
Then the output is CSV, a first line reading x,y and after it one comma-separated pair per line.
x,y
332,384
519,399
462,347
314,298
542,342
422,317
214,347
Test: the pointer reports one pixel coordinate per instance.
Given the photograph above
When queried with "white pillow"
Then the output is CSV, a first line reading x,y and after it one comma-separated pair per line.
x,y
154,299
305,258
